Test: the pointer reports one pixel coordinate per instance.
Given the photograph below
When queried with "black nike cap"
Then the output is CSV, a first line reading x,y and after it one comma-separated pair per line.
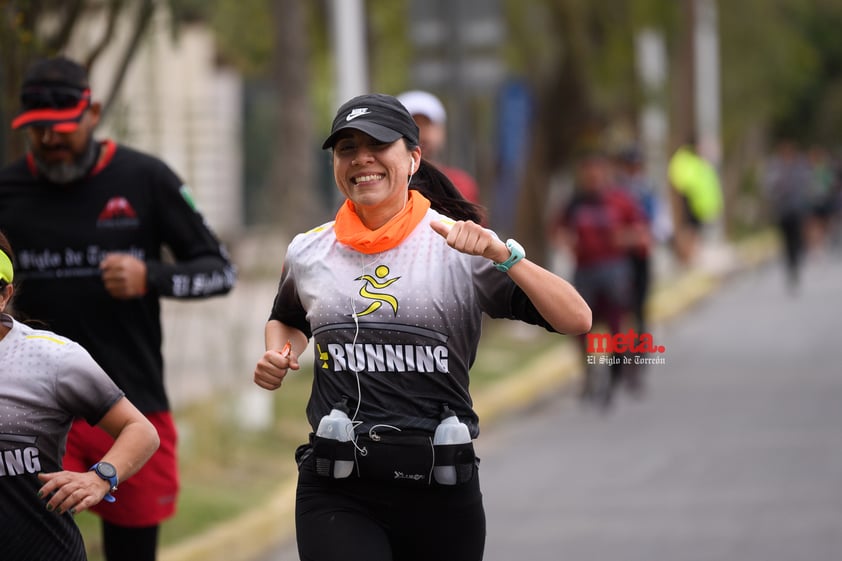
x,y
380,116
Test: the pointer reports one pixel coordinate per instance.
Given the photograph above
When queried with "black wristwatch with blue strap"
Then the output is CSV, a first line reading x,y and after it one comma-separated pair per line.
x,y
107,472
516,254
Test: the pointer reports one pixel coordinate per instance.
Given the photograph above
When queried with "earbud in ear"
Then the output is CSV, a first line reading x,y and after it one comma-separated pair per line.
x,y
411,166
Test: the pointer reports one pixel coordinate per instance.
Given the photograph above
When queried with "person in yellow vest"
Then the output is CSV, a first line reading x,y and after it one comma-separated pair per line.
x,y
696,182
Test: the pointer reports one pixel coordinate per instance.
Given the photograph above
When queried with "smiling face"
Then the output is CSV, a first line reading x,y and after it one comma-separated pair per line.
x,y
373,175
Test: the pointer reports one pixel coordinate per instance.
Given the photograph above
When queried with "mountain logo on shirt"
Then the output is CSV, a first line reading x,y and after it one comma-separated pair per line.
x,y
379,282
117,213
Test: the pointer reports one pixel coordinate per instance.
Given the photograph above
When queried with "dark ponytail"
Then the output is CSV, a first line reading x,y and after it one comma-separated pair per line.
x,y
444,197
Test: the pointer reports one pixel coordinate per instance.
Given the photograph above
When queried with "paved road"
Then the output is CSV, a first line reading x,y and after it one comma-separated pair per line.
x,y
733,453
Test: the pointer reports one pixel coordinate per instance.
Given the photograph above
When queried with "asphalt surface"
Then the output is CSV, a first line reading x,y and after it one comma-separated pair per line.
x,y
732,452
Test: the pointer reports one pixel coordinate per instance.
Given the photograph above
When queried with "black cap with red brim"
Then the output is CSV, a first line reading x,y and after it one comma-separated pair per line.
x,y
55,94
60,119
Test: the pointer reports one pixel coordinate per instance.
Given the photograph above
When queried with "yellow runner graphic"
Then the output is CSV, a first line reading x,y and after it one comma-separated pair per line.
x,y
378,283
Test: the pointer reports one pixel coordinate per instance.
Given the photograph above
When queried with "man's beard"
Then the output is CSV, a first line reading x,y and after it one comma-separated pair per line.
x,y
68,172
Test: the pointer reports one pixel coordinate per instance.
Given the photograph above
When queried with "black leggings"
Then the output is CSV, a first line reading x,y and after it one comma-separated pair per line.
x,y
352,519
121,543
791,227
639,290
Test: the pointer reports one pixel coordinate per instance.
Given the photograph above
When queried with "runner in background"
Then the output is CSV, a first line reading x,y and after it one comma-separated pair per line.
x,y
696,183
638,184
787,178
600,225
821,198
430,116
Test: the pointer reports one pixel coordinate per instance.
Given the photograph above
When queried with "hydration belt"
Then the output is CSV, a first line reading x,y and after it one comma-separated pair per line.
x,y
401,457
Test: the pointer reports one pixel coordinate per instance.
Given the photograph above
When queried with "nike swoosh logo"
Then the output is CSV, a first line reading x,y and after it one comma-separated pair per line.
x,y
356,113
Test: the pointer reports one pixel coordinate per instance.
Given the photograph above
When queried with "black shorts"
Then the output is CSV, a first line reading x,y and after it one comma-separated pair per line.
x,y
354,518
690,218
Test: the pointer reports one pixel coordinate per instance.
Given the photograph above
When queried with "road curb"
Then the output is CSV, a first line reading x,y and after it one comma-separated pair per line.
x,y
245,537
252,534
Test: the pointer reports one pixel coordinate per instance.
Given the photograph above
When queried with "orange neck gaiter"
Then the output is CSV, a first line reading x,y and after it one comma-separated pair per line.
x,y
352,232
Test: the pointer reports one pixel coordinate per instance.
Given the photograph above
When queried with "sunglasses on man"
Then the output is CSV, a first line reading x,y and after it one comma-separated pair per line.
x,y
53,97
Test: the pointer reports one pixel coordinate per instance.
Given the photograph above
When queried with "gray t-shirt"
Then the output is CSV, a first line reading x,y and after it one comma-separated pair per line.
x,y
45,382
406,321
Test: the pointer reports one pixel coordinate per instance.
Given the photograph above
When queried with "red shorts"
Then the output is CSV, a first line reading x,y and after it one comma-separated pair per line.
x,y
149,496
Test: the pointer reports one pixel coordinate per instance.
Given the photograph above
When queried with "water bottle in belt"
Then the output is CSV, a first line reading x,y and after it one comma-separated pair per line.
x,y
337,426
450,431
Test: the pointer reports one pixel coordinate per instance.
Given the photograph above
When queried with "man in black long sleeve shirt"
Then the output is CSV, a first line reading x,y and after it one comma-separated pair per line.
x,y
90,220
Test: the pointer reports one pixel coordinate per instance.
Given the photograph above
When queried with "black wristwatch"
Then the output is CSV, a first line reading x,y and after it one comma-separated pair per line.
x,y
107,472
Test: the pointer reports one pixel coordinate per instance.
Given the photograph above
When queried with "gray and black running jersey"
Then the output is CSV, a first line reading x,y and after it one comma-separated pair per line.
x,y
45,382
404,323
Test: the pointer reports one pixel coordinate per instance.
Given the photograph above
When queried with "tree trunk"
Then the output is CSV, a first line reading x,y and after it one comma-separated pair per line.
x,y
293,192
683,114
566,125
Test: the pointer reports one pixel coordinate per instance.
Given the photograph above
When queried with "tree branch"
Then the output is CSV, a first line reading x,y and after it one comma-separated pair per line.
x,y
114,9
73,9
147,9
